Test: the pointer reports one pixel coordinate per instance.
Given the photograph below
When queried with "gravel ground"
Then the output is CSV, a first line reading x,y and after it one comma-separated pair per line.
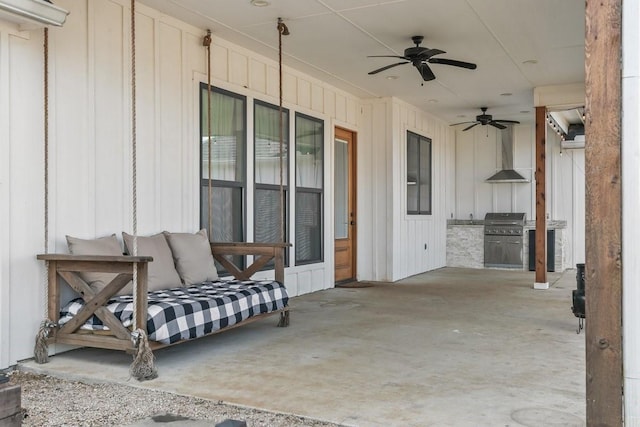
x,y
49,401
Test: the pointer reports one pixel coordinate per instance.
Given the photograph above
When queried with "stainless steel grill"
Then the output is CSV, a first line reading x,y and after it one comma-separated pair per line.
x,y
503,244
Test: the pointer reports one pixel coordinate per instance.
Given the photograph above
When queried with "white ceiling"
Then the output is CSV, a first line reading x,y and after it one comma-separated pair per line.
x,y
330,40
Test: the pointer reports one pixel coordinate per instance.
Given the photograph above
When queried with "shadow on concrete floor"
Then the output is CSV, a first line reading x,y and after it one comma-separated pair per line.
x,y
451,347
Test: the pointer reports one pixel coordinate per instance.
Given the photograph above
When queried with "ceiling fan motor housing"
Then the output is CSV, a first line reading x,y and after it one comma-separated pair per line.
x,y
484,118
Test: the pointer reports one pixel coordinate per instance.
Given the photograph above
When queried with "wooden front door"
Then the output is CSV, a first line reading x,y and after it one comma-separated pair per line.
x,y
344,204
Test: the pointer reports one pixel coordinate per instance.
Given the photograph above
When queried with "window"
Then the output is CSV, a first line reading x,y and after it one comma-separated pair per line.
x,y
418,174
309,189
267,171
222,155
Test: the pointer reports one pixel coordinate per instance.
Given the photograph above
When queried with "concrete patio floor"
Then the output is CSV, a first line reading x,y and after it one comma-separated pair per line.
x,y
451,347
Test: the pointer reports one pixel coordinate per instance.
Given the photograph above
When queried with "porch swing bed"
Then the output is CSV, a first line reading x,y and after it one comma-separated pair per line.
x,y
168,291
106,317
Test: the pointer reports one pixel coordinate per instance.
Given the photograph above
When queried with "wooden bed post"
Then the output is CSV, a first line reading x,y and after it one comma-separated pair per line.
x,y
141,297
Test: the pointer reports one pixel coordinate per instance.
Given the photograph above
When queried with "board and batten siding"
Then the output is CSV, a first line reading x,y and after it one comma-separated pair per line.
x,y
21,204
90,151
478,156
394,240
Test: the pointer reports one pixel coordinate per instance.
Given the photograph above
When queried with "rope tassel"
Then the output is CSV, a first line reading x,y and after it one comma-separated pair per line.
x,y
41,348
143,366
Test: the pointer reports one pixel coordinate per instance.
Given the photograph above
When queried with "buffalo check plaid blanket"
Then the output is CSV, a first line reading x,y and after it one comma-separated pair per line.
x,y
190,312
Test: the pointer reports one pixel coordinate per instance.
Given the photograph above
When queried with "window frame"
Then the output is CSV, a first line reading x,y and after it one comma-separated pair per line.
x,y
217,183
310,190
273,187
423,142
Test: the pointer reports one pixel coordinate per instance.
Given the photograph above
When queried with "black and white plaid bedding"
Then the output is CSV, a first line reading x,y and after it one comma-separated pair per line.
x,y
183,313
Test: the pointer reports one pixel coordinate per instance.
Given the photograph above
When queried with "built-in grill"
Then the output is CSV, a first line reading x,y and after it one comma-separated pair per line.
x,y
503,234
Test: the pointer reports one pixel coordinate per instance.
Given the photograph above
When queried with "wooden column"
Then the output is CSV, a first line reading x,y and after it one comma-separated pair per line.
x,y
541,199
603,267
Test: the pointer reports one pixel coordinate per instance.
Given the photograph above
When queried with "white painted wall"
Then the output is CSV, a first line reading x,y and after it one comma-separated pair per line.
x,y
21,204
478,156
391,243
566,196
90,170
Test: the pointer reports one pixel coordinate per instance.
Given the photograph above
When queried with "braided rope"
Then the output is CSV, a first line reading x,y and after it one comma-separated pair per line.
x,y
46,168
134,160
207,43
280,31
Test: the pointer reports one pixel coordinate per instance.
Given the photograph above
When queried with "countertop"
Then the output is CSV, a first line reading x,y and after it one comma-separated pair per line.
x,y
551,223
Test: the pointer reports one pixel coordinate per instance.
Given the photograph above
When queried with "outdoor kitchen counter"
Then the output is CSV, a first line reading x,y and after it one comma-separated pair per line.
x,y
465,243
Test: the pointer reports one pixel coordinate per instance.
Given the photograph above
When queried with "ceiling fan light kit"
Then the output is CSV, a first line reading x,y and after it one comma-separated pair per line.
x,y
420,58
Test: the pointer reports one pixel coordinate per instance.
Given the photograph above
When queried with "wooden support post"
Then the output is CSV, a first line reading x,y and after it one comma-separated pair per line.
x,y
541,200
603,278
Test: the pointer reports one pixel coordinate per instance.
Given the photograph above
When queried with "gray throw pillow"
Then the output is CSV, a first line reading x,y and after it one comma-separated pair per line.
x,y
107,245
162,272
192,255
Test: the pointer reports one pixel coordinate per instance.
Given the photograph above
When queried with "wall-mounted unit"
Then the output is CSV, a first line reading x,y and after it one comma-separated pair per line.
x,y
32,14
576,142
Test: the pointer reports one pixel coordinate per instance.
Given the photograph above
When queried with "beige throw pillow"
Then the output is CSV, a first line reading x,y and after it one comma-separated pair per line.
x,y
108,245
192,255
162,272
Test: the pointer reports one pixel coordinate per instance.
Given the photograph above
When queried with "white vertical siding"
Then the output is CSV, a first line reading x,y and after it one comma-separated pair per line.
x,y
394,240
90,143
419,241
21,205
478,156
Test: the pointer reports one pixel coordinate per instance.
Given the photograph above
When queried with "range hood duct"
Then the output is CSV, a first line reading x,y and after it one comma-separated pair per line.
x,y
507,174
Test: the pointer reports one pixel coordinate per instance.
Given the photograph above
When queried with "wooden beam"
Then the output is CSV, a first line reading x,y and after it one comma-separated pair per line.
x,y
541,199
603,267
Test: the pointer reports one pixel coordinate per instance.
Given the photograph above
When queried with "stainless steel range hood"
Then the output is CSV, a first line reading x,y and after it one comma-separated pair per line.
x,y
507,174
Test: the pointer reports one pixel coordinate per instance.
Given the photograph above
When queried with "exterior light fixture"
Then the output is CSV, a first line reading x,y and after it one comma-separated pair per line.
x,y
29,12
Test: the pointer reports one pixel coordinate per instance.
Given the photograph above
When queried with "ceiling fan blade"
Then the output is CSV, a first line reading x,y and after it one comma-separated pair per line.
x,y
462,123
386,67
497,125
425,72
469,127
506,121
453,62
388,56
429,53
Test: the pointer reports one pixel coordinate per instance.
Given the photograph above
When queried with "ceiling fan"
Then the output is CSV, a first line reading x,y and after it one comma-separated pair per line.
x,y
486,119
421,57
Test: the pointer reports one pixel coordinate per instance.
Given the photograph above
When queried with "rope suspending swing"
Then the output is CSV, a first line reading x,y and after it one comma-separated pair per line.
x,y
143,367
282,31
41,348
206,42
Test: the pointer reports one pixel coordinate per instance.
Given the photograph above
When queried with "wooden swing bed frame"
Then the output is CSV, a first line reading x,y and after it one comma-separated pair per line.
x,y
65,268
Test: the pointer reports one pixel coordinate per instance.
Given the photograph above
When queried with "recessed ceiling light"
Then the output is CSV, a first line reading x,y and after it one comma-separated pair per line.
x,y
530,62
433,101
260,3
391,77
506,94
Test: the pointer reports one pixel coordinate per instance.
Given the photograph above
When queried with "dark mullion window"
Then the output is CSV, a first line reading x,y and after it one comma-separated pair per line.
x,y
419,183
228,164
309,189
267,170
